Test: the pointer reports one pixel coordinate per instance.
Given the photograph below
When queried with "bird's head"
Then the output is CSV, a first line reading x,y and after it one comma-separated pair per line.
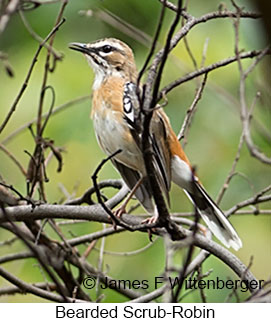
x,y
109,57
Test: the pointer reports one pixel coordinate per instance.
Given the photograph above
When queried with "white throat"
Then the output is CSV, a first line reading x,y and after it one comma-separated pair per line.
x,y
99,74
98,80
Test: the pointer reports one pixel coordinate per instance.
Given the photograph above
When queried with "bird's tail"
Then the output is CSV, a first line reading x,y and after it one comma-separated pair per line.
x,y
214,217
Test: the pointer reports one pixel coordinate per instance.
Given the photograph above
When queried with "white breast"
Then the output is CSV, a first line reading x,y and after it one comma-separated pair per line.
x,y
112,136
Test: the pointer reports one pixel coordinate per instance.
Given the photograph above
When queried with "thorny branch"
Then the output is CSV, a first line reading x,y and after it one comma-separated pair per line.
x,y
65,260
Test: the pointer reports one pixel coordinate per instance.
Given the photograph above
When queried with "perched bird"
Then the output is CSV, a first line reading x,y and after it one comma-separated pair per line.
x,y
116,118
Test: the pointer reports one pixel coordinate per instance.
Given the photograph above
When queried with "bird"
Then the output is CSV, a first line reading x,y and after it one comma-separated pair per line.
x,y
118,127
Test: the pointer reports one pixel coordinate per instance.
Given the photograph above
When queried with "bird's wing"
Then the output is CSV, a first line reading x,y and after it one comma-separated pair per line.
x,y
131,111
158,135
162,156
131,177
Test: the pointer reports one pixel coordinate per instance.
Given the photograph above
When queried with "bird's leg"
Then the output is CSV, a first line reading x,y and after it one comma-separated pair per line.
x,y
122,209
153,218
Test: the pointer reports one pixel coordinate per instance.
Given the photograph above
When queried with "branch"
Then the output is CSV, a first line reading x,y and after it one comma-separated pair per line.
x,y
154,43
191,111
151,89
232,171
97,213
57,55
16,256
14,159
191,22
17,290
59,20
209,68
164,56
258,198
86,197
246,115
29,288
116,220
56,110
35,59
215,14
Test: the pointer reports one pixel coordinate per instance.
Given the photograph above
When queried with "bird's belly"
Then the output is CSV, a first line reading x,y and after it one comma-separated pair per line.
x,y
112,134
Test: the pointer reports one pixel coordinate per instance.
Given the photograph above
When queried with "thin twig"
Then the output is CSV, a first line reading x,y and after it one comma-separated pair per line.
x,y
116,221
191,111
29,73
232,171
209,68
215,14
29,288
56,54
47,68
154,43
165,54
14,159
244,113
258,198
128,253
55,111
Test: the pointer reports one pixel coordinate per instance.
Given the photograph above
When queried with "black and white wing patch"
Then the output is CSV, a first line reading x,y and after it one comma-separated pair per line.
x,y
131,104
128,98
131,111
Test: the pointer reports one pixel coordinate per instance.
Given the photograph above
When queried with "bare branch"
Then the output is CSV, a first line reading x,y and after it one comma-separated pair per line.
x,y
232,171
97,213
29,73
29,288
216,14
56,54
13,158
17,290
191,111
56,110
212,67
258,198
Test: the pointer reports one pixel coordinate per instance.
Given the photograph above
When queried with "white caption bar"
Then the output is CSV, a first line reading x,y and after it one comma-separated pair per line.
x,y
86,312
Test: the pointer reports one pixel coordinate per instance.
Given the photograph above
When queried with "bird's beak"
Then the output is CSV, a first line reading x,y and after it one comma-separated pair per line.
x,y
80,47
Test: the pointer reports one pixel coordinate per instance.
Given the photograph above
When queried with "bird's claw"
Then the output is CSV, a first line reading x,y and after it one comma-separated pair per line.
x,y
120,211
118,214
150,220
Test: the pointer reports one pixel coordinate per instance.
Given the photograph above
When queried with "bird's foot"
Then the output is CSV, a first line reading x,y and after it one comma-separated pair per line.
x,y
201,229
120,211
118,214
151,220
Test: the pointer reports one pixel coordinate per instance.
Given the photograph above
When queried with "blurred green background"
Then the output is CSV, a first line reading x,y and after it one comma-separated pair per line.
x,y
212,141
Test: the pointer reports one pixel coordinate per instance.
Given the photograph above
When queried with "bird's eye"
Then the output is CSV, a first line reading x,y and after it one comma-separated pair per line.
x,y
107,49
